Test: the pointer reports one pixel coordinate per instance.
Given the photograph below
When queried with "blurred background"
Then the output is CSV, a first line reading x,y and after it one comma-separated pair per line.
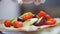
x,y
11,9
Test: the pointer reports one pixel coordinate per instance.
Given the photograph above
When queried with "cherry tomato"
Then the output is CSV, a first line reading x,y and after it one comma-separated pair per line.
x,y
27,16
7,23
41,14
18,24
48,17
51,22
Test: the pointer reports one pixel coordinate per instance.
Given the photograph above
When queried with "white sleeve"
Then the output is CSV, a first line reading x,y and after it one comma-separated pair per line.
x,y
43,1
20,1
38,2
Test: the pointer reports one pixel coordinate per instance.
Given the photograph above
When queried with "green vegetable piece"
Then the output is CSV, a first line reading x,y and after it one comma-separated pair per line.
x,y
30,21
13,20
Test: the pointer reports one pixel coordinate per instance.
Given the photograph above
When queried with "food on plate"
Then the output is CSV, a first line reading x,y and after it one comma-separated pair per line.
x,y
51,22
48,17
27,15
18,24
13,20
7,23
29,19
20,19
41,14
41,21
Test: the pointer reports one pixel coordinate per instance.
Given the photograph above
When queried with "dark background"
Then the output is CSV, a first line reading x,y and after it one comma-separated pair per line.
x,y
52,7
10,9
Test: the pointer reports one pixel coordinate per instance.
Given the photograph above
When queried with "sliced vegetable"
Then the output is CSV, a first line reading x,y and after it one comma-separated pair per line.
x,y
13,20
20,19
27,15
30,21
41,14
41,21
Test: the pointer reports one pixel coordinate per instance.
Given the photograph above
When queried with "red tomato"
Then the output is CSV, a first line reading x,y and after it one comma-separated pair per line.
x,y
31,15
7,23
28,16
41,14
18,24
48,17
51,22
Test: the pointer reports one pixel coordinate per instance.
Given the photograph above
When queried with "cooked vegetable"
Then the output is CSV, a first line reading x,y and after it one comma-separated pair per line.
x,y
41,21
13,20
20,19
41,14
30,21
27,15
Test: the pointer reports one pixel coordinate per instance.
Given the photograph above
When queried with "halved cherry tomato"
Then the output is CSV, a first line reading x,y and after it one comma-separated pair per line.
x,y
41,14
7,23
18,24
51,22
